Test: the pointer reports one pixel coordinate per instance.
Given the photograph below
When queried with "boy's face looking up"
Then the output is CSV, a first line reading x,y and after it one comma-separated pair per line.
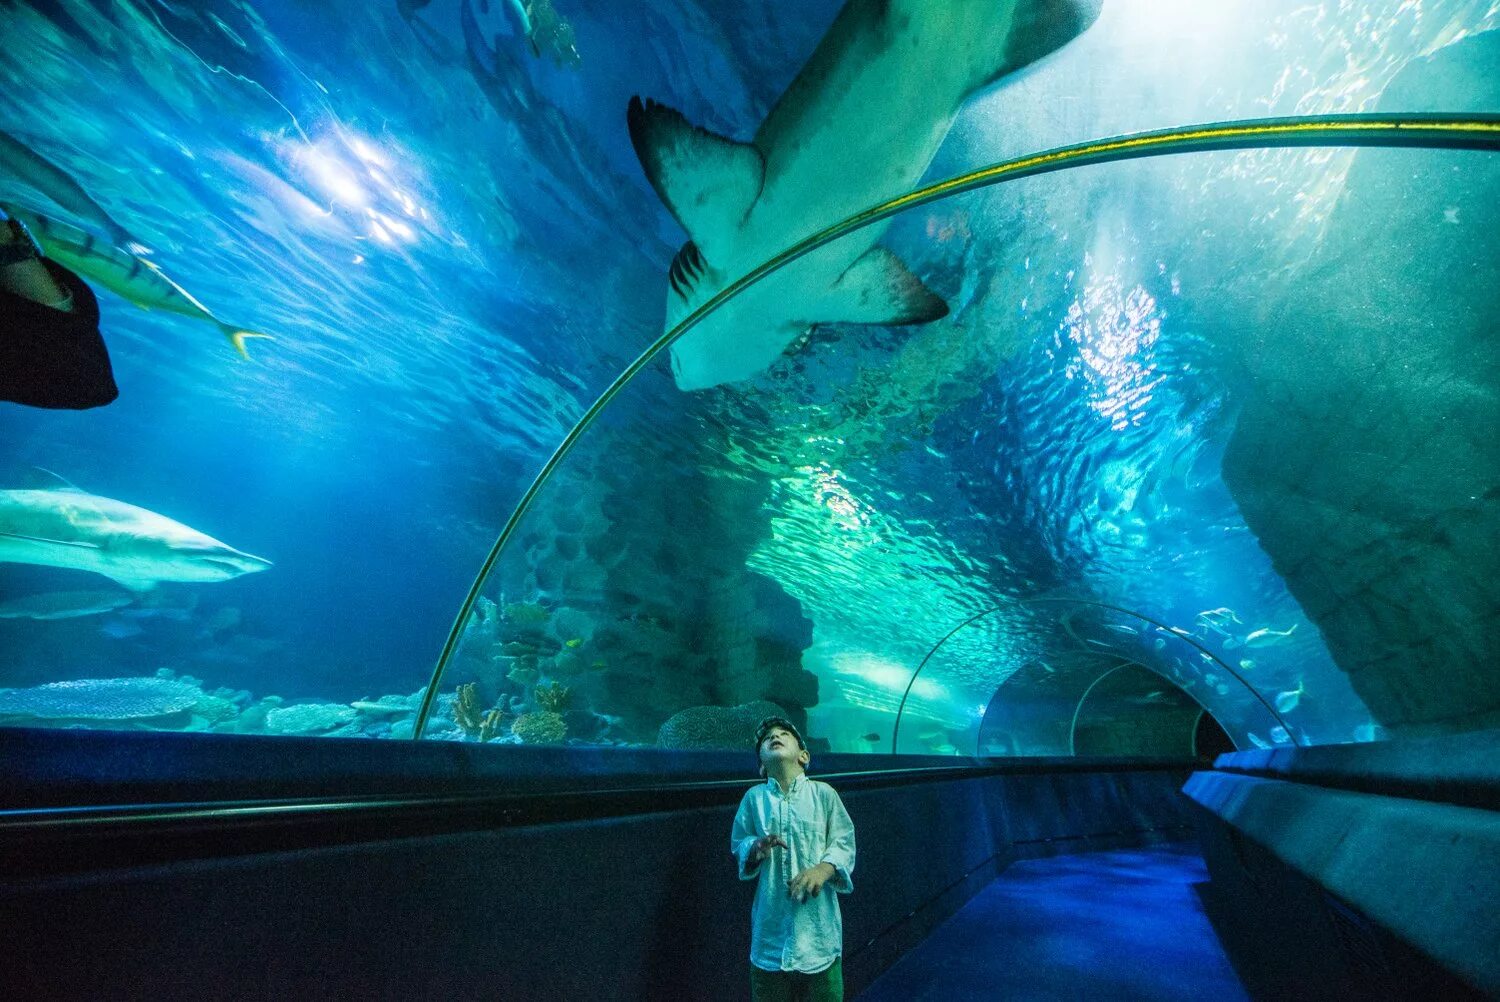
x,y
780,749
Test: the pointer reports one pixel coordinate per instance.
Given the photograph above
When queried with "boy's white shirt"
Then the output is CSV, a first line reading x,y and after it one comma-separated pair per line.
x,y
786,934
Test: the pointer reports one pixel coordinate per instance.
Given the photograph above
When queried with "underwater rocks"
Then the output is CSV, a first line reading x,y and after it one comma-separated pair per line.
x,y
720,727
632,592
309,718
760,635
1365,459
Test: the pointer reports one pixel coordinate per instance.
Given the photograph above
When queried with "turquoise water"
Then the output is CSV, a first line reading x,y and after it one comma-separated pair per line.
x,y
1148,392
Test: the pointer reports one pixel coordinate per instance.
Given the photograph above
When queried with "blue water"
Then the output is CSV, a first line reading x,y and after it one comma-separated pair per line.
x,y
455,250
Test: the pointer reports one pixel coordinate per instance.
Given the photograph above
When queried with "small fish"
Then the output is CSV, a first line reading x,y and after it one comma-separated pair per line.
x,y
1218,618
1287,701
370,706
931,736
165,612
1258,741
1267,637
943,749
1129,631
132,278
121,630
227,618
27,165
597,666
575,642
872,737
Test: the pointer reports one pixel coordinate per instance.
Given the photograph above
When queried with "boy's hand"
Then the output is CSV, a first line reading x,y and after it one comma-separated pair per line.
x,y
763,846
810,881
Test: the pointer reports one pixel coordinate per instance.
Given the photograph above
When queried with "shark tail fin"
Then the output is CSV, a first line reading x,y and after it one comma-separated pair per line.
x,y
708,182
879,288
238,338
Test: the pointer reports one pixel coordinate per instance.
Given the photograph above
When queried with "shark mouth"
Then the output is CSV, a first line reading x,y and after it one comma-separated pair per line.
x,y
243,564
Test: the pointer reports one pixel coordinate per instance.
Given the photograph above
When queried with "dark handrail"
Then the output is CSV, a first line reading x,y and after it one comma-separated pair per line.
x,y
1428,131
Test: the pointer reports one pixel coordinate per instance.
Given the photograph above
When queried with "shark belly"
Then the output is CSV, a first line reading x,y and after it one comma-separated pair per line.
x,y
859,125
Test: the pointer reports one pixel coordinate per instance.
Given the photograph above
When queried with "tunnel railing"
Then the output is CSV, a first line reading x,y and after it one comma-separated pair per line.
x,y
1413,130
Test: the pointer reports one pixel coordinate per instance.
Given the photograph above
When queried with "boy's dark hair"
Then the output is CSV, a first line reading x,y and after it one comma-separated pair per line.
x,y
768,724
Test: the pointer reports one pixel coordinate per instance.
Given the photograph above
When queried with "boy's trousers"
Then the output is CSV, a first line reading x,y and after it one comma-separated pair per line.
x,y
790,986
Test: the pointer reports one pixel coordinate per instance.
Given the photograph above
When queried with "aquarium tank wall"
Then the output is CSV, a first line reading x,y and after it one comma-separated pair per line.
x,y
446,412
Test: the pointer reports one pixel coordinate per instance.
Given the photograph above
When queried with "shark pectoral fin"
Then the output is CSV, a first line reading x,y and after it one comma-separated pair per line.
x,y
880,289
708,182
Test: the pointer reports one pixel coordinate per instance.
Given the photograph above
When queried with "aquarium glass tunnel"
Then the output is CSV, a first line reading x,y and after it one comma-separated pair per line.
x,y
587,374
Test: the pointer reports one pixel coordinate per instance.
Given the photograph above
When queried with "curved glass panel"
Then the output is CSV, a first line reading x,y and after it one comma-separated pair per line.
x,y
1253,385
855,567
1079,645
1131,711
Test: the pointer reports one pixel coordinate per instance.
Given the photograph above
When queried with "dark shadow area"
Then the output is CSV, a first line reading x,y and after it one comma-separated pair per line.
x,y
1108,925
1210,740
1287,938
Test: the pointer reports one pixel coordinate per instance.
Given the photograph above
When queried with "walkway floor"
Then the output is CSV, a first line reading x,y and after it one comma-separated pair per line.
x,y
1109,925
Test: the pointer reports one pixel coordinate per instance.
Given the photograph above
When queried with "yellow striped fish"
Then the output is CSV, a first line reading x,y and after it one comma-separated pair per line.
x,y
132,278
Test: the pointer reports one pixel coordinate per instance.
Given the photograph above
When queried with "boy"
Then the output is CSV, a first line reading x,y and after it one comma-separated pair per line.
x,y
793,834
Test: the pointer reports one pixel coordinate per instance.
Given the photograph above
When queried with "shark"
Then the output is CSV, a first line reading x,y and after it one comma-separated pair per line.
x,y
137,548
859,124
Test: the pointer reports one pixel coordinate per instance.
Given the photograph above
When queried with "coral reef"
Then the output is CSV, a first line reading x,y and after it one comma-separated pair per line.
x,y
102,699
540,727
553,696
473,719
494,722
215,709
309,718
467,711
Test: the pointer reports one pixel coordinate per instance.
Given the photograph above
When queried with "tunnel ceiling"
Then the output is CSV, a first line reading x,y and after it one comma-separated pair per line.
x,y
1228,416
